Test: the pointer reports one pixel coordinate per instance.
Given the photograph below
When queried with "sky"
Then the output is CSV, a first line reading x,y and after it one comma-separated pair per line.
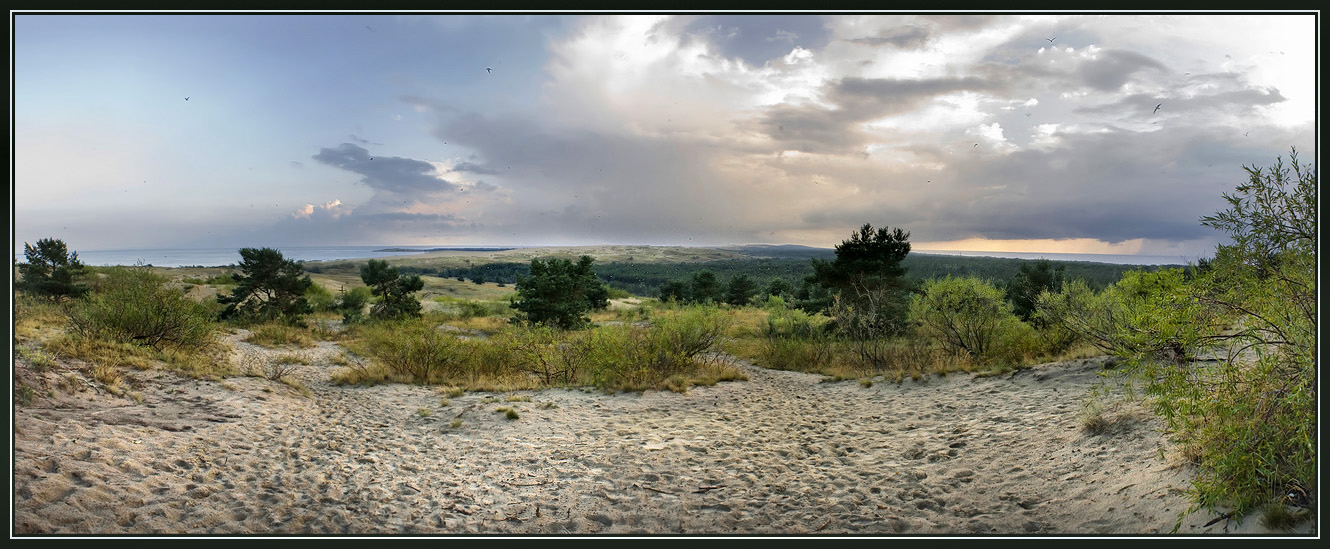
x,y
990,131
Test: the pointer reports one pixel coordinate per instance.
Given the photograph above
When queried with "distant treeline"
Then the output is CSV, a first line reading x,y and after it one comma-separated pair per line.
x,y
645,279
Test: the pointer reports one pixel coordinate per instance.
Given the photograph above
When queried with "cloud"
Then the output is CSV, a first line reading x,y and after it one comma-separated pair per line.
x,y
1111,69
472,167
756,39
903,37
331,208
838,127
393,174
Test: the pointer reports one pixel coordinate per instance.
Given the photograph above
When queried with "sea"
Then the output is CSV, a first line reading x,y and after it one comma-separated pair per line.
x,y
1115,259
214,257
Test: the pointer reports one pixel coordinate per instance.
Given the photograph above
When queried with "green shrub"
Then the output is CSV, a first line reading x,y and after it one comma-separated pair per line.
x,y
1249,420
352,303
416,350
962,314
221,280
134,305
554,356
320,299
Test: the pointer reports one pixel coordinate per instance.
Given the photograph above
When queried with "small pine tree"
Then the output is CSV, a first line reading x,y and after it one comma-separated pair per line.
x,y
267,287
675,290
559,293
393,289
740,290
52,271
1026,285
705,287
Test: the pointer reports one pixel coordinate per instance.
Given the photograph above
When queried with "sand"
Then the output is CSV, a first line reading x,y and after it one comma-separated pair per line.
x,y
779,455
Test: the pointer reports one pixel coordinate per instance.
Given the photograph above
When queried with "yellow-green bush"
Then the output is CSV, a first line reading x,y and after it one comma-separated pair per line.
x,y
134,305
963,314
415,350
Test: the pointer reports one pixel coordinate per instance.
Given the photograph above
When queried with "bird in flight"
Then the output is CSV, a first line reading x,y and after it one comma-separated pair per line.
x,y
488,69
186,99
1050,40
1157,108
975,145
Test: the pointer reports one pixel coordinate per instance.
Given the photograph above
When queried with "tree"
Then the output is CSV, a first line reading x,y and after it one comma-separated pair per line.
x,y
1026,285
868,259
740,290
393,289
51,271
778,287
675,290
268,287
705,288
559,293
867,272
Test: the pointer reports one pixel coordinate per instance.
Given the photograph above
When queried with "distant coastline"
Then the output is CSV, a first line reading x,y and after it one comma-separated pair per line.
x,y
425,250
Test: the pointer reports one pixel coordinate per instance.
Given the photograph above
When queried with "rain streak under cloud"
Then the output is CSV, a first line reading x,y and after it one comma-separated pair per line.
x,y
972,131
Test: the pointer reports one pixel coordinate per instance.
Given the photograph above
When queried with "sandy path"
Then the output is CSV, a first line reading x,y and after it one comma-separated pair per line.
x,y
780,454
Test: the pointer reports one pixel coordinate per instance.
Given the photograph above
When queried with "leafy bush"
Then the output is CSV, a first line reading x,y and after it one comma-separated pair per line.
x,y
320,299
416,350
553,356
133,305
1251,419
352,303
964,315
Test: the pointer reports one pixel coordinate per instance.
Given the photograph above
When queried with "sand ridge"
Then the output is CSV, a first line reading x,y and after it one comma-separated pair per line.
x,y
781,454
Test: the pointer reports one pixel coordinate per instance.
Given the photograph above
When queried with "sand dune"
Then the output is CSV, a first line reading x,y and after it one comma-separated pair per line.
x,y
778,455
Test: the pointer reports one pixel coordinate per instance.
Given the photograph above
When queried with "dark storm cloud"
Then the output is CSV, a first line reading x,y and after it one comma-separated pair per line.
x,y
385,173
1114,68
758,38
813,128
835,129
869,98
1110,187
904,37
586,184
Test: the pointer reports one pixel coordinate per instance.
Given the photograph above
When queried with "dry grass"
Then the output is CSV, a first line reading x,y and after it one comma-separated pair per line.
x,y
276,334
37,320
